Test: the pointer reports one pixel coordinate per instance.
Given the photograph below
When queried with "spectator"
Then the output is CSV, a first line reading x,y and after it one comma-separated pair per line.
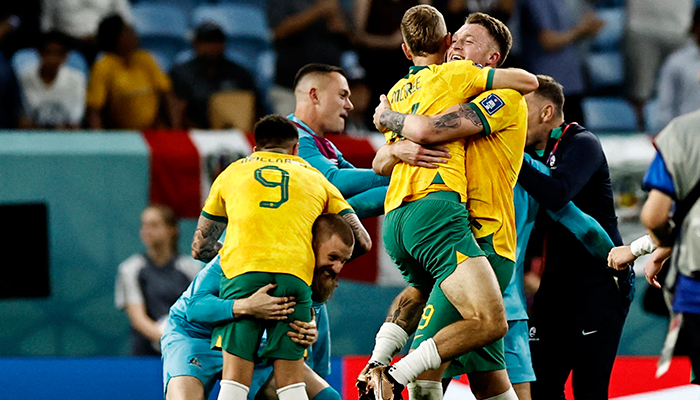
x,y
304,32
53,92
127,87
149,283
19,25
10,103
654,30
550,33
377,35
209,72
80,20
678,90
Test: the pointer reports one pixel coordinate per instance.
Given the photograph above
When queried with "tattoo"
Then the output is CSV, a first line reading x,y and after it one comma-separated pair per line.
x,y
205,244
454,119
392,120
406,310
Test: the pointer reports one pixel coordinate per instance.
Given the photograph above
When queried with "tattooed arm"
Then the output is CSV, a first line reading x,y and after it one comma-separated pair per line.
x,y
407,309
457,122
363,242
205,244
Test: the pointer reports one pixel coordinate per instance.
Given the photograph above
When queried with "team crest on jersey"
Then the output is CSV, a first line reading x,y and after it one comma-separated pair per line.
x,y
194,361
492,103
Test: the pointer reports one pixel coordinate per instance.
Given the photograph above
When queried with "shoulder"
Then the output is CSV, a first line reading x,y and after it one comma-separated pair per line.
x,y
133,264
458,66
72,75
584,139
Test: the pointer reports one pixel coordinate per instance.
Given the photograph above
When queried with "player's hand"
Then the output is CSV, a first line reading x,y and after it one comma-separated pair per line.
x,y
654,265
422,156
263,306
306,333
383,106
620,257
362,383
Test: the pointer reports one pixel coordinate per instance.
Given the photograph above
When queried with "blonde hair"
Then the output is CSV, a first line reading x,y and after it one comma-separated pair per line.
x,y
423,29
498,31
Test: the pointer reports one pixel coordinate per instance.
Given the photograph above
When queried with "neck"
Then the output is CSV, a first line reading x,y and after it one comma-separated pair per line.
x,y
279,150
306,115
430,59
47,75
160,254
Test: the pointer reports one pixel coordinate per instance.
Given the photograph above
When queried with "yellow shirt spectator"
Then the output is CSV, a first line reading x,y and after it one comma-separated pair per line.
x,y
131,91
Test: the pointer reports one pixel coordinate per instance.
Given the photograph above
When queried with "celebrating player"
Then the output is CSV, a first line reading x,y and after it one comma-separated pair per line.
x,y
268,202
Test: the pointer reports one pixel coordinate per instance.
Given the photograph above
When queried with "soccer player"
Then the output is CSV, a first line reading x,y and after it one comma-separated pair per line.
x,y
322,105
486,40
426,230
190,367
268,202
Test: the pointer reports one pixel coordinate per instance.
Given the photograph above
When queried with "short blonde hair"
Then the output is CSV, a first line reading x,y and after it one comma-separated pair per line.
x,y
423,29
498,31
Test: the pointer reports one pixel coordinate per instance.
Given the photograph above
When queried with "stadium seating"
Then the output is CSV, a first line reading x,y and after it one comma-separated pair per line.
x,y
610,37
162,29
186,6
25,58
239,21
608,114
605,70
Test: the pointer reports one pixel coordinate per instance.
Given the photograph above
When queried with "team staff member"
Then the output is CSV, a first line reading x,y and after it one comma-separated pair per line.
x,y
579,310
190,367
673,179
322,104
426,231
271,196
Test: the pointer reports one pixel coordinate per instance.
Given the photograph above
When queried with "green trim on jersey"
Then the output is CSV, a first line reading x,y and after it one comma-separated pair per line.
x,y
489,80
487,128
346,211
414,69
215,218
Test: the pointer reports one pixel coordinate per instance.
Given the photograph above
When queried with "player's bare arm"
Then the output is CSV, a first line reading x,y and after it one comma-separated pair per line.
x,y
514,78
409,152
655,217
654,265
457,122
205,244
363,243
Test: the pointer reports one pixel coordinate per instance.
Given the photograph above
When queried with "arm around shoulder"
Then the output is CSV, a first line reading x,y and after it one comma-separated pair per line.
x,y
514,78
363,242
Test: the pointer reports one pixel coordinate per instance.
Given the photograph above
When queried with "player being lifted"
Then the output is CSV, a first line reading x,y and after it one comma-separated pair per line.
x,y
268,203
426,230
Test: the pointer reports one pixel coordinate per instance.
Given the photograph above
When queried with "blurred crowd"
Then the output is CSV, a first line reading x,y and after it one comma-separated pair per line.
x,y
113,64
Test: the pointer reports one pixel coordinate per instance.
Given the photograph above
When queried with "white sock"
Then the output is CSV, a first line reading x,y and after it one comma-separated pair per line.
x,y
507,395
295,391
425,390
232,390
424,358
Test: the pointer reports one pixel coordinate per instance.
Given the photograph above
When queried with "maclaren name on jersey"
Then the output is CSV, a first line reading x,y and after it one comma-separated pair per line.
x,y
406,90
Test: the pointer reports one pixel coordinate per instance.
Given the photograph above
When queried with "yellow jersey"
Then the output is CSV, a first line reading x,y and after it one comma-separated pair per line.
x,y
493,163
132,91
270,202
430,90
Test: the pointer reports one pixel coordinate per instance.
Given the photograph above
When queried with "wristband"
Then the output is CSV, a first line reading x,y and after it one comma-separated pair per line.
x,y
643,245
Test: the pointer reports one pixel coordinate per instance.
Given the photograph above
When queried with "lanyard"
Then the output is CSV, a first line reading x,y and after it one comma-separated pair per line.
x,y
556,145
323,144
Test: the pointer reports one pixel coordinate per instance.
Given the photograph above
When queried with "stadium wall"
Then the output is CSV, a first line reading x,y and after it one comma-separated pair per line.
x,y
95,185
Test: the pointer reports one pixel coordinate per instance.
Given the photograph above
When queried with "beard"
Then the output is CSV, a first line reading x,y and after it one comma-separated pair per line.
x,y
322,288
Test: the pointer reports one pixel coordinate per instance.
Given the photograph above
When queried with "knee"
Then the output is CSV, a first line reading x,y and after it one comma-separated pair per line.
x,y
496,322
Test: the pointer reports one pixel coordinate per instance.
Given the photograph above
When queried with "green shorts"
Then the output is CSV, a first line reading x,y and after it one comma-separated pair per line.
x,y
242,336
423,238
491,357
502,266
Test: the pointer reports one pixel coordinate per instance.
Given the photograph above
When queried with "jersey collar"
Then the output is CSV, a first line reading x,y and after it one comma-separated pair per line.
x,y
300,122
414,69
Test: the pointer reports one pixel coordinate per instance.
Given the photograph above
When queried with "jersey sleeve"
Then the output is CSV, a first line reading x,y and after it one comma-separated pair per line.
x,y
215,206
658,177
466,78
336,203
497,109
205,306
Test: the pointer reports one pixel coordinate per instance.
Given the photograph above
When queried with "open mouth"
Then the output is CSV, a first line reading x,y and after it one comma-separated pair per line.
x,y
456,57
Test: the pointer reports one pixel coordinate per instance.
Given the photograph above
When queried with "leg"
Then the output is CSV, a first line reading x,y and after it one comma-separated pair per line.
x,y
235,378
518,359
289,374
523,390
314,386
184,388
489,384
599,322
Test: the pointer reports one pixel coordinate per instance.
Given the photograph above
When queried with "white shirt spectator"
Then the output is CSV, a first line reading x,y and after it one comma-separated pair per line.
x,y
60,103
80,18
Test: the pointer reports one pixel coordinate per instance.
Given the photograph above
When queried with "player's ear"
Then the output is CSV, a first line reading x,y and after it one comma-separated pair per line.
x,y
547,112
406,51
313,95
255,148
494,58
448,40
295,149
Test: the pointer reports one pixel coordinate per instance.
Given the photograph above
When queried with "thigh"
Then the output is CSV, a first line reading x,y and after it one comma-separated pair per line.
x,y
600,318
437,314
486,359
517,352
184,356
279,345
